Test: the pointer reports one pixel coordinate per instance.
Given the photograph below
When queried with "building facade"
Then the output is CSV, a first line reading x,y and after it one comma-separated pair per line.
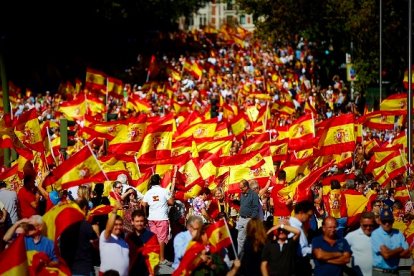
x,y
219,13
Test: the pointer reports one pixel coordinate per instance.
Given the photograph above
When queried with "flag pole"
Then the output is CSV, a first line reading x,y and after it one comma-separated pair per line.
x,y
50,145
96,159
136,163
231,239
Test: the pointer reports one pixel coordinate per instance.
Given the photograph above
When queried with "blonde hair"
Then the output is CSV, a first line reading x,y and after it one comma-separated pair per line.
x,y
256,232
84,191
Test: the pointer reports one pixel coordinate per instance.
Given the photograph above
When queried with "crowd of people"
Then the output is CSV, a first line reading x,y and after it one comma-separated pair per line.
x,y
271,232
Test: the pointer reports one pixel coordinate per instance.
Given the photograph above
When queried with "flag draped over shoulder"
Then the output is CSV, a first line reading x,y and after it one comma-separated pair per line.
x,y
59,217
13,260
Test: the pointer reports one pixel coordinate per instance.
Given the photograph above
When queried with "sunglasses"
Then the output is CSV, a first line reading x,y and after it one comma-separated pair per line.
x,y
387,222
367,225
118,187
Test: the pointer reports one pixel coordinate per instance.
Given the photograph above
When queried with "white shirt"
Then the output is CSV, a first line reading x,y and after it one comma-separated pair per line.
x,y
306,249
157,199
114,254
361,250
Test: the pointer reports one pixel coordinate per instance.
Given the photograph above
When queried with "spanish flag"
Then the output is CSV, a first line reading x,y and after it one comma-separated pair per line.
x,y
191,259
95,80
151,252
339,135
115,88
396,103
218,236
59,217
99,210
157,142
13,260
80,168
75,109
300,131
27,129
209,146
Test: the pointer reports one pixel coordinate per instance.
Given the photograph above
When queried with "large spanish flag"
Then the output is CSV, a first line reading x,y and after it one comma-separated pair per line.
x,y
157,142
60,216
301,131
82,167
13,260
27,129
338,136
75,109
396,103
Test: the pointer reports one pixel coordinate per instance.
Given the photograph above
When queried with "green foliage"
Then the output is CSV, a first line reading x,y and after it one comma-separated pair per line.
x,y
341,24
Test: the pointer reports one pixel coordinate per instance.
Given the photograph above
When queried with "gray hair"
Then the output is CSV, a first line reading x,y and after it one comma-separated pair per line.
x,y
193,218
253,184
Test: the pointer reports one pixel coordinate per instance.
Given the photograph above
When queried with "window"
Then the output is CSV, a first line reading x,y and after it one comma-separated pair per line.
x,y
242,19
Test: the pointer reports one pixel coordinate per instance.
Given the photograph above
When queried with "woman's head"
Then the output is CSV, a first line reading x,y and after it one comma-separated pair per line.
x,y
84,192
256,232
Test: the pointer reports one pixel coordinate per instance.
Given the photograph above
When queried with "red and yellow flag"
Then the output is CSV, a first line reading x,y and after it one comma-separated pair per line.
x,y
27,129
218,236
115,88
59,217
13,260
338,135
396,103
151,252
75,109
95,80
80,168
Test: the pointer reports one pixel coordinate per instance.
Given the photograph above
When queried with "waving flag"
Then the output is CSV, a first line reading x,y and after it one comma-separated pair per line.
x,y
75,109
95,80
190,260
338,135
218,235
27,129
115,88
13,260
151,252
59,217
80,168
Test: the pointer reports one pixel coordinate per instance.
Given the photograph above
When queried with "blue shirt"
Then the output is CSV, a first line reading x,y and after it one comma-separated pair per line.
x,y
249,204
44,245
391,240
181,242
323,268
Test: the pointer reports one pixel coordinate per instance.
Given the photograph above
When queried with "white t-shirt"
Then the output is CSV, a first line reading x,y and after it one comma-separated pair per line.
x,y
114,254
157,198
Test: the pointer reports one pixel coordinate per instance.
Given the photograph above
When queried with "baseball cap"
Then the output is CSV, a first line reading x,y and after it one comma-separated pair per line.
x,y
386,215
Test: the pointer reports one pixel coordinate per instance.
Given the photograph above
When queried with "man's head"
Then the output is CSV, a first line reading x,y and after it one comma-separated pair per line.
x,y
36,225
335,184
254,185
244,186
138,220
329,226
118,226
304,210
281,176
205,193
155,180
387,220
367,222
117,187
194,224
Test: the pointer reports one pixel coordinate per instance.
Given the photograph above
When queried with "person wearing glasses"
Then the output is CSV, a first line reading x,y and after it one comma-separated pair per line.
x,y
360,242
388,246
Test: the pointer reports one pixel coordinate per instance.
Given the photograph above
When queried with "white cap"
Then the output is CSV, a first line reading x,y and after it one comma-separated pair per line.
x,y
122,178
